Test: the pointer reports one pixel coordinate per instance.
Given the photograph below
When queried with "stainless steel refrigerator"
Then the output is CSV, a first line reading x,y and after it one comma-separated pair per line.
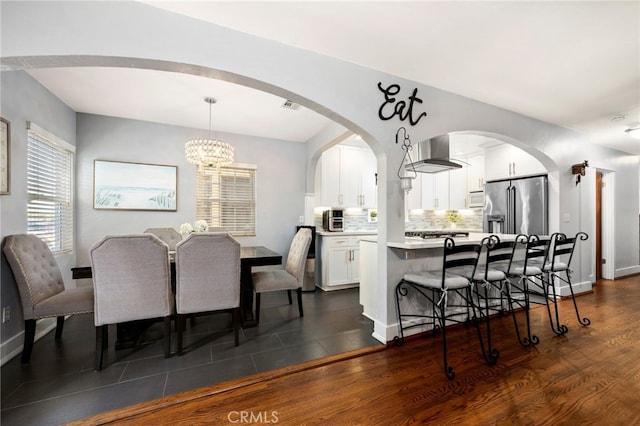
x,y
516,206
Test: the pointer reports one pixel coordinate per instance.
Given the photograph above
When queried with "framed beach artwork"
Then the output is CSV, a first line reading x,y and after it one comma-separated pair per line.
x,y
5,159
134,186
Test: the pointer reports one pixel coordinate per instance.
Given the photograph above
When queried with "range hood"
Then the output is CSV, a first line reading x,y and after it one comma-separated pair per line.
x,y
434,157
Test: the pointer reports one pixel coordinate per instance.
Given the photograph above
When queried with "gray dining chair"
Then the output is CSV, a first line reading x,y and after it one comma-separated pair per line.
x,y
289,278
41,287
207,278
131,278
168,235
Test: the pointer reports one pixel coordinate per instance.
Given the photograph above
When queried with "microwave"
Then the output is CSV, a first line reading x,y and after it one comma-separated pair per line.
x,y
333,220
475,199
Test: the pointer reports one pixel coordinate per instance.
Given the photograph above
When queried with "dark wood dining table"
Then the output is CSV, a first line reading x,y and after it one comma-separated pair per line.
x,y
250,256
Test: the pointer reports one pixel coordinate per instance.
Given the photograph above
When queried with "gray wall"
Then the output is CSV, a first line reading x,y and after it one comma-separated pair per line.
x,y
23,99
280,179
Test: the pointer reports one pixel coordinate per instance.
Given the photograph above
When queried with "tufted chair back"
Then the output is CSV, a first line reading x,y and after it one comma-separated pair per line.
x,y
169,236
41,288
297,258
35,270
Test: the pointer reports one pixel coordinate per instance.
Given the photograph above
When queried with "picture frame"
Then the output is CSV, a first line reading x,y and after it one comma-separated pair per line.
x,y
5,157
119,185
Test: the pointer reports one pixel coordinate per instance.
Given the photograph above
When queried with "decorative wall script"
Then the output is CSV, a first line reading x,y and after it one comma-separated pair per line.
x,y
390,107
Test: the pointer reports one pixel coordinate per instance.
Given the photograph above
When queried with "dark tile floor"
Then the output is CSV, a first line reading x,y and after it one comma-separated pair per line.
x,y
60,384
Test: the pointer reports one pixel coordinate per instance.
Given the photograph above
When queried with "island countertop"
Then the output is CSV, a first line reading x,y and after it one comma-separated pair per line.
x,y
414,243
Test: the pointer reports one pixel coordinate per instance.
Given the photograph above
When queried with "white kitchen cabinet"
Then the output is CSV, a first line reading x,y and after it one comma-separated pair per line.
x,y
507,161
349,177
339,261
435,191
330,178
475,173
458,189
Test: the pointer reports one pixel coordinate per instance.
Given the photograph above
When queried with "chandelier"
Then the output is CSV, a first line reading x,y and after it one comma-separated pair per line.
x,y
208,152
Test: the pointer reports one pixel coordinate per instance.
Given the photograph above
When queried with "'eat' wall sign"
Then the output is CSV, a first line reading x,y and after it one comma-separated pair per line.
x,y
391,107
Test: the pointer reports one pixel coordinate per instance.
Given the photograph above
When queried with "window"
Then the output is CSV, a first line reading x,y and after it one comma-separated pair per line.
x,y
226,197
50,189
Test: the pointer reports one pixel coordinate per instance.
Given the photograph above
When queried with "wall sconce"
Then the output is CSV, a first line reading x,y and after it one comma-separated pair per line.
x,y
406,176
579,170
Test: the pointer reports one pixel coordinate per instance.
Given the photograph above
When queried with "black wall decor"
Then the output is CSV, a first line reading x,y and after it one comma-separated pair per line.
x,y
391,108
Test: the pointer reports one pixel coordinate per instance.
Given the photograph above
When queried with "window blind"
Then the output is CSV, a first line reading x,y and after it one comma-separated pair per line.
x,y
50,189
225,197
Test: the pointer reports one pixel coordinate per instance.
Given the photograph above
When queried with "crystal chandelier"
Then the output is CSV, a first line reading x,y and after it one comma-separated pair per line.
x,y
208,152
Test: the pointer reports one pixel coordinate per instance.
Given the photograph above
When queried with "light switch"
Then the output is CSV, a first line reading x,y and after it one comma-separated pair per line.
x,y
301,220
566,217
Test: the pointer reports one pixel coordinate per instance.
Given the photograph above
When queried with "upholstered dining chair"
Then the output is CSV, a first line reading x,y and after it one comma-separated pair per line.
x,y
41,287
168,235
207,278
289,278
131,279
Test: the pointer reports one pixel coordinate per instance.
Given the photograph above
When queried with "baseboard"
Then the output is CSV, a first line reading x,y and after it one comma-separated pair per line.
x,y
581,287
623,272
13,346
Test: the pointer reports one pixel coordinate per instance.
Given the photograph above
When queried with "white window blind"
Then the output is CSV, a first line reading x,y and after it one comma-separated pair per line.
x,y
226,197
50,189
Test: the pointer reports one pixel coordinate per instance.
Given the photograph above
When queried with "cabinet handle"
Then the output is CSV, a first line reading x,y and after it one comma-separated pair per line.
x,y
514,169
509,169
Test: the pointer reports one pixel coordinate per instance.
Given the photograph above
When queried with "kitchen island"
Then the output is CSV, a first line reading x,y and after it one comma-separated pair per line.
x,y
406,255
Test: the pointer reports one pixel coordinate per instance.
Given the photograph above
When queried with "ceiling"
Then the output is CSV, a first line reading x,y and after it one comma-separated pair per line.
x,y
574,63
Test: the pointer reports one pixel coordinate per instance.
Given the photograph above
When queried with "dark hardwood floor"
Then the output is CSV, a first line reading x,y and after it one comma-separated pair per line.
x,y
589,376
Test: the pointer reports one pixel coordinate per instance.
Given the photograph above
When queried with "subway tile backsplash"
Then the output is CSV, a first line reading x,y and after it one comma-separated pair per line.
x,y
358,219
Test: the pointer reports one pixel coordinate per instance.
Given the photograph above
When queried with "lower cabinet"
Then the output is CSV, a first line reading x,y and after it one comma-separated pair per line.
x,y
339,262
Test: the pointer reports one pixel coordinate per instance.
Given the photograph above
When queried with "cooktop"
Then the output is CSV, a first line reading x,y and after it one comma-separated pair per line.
x,y
435,234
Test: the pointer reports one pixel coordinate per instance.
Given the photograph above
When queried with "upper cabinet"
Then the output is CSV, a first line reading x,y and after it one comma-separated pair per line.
x,y
506,161
348,177
475,173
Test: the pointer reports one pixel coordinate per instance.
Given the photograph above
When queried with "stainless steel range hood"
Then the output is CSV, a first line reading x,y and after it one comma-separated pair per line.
x,y
434,156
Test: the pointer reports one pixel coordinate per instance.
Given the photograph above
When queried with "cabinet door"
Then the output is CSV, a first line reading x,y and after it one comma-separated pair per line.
x,y
458,189
475,173
331,195
427,193
350,175
354,265
441,190
369,189
339,266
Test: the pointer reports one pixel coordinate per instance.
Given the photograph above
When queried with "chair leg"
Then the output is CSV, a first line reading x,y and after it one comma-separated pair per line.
x,y
59,327
236,325
167,336
299,291
29,337
180,325
289,294
101,344
257,308
585,322
448,370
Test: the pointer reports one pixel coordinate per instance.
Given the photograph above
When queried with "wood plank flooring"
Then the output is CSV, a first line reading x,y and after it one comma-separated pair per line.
x,y
589,376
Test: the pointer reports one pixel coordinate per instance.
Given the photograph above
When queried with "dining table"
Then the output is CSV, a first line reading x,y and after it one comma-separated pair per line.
x,y
250,256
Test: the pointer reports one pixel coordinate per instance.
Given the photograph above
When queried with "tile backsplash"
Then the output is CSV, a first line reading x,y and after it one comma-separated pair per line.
x,y
358,219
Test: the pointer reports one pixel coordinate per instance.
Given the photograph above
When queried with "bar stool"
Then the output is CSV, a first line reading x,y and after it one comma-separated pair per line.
x,y
521,268
437,288
489,281
557,262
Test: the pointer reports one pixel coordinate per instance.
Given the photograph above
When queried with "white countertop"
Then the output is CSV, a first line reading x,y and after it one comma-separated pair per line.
x,y
420,243
346,233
